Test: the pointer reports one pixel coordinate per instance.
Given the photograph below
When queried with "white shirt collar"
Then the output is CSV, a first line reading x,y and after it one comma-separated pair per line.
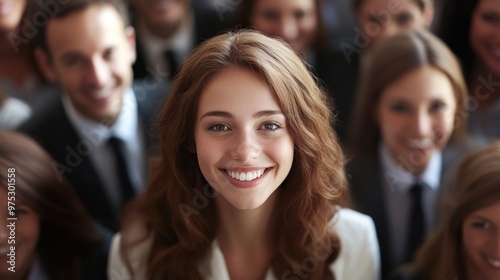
x,y
125,126
396,177
181,42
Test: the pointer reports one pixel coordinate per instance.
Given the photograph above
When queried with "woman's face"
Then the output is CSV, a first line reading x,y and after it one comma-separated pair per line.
x,y
295,21
378,18
11,12
485,34
415,115
481,242
243,145
19,232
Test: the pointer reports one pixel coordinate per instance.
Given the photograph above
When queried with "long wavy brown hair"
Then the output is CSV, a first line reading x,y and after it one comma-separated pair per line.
x,y
182,227
66,231
476,186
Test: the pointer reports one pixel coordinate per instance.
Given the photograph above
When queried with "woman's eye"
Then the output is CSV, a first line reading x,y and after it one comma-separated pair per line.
x,y
490,17
20,212
400,107
271,126
481,225
436,106
299,15
403,19
218,127
270,15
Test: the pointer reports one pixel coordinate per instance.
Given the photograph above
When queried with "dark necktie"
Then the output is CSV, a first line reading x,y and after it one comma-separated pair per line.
x,y
171,62
124,179
416,223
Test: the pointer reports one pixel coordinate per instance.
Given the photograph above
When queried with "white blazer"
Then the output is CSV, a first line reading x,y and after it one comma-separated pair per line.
x,y
358,260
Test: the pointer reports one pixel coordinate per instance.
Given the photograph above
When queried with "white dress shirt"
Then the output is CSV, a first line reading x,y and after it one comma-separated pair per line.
x,y
95,137
13,112
358,258
396,183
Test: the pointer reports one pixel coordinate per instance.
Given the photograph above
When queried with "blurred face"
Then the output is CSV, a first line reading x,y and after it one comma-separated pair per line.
x,y
485,34
378,18
243,144
481,242
415,115
295,21
161,17
27,227
11,12
91,57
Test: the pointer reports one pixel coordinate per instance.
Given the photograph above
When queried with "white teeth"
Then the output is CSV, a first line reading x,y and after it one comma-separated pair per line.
x,y
249,176
4,250
420,144
494,263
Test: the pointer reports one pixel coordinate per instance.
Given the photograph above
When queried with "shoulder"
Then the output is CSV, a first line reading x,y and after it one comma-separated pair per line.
x,y
13,112
137,255
359,254
47,114
457,149
353,227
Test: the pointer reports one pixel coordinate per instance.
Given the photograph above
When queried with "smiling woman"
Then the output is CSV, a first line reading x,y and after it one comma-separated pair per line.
x,y
409,128
472,31
45,232
242,131
466,245
249,186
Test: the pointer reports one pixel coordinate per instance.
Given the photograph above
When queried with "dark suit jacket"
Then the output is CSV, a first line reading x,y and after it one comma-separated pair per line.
x,y
96,261
50,127
339,77
367,192
207,24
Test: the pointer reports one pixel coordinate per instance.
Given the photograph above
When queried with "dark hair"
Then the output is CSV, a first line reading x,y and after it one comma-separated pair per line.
x,y
454,30
39,14
240,18
66,231
308,197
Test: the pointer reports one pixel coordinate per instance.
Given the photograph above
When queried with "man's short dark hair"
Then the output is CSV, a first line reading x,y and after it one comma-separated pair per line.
x,y
46,10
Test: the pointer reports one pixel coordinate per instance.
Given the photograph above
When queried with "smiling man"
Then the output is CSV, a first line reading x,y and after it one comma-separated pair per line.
x,y
96,130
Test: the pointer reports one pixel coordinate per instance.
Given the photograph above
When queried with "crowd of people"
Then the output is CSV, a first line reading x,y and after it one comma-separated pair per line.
x,y
212,139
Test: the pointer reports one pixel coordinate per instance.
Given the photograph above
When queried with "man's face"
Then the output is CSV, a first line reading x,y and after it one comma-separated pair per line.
x,y
161,17
90,55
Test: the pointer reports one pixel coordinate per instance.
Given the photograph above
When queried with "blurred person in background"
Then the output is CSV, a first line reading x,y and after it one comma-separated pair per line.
x,y
472,30
466,243
19,76
408,132
54,238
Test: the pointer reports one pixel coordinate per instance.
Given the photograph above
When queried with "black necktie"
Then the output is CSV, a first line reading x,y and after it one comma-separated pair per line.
x,y
416,223
171,62
124,179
